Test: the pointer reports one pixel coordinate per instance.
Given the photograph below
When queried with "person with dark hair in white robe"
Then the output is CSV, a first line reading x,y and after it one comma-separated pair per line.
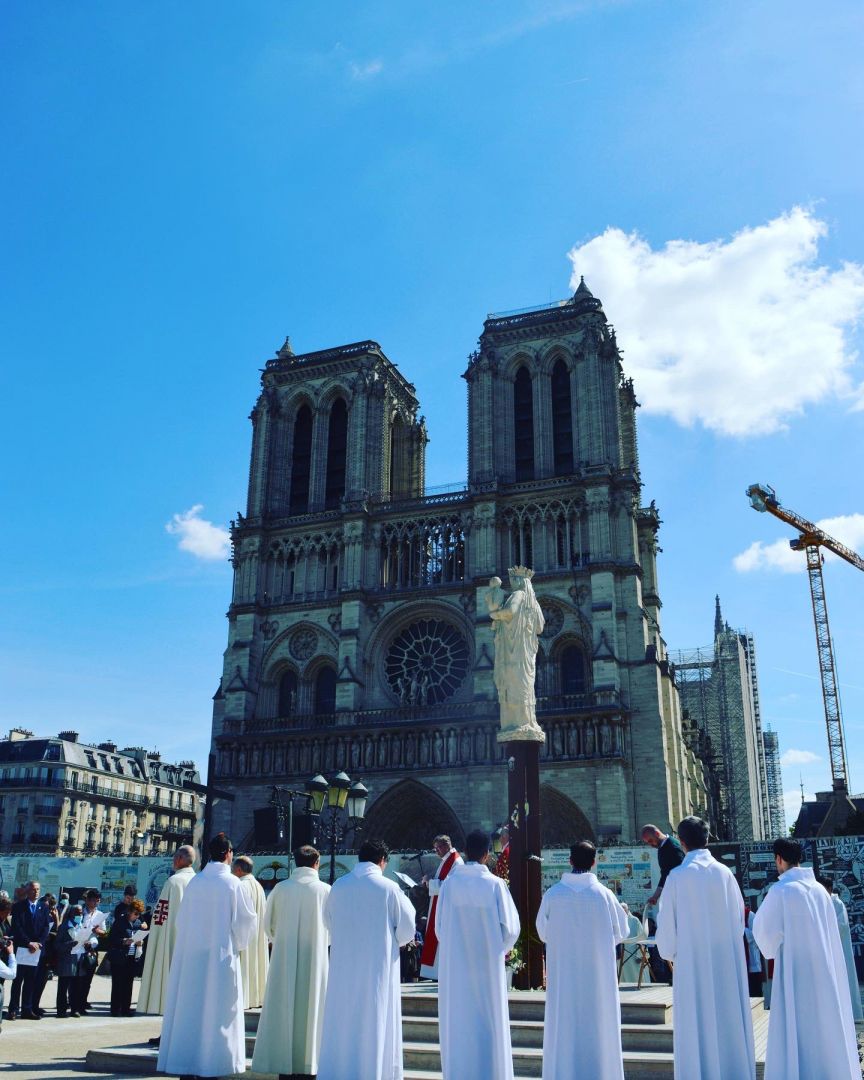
x,y
700,931
811,1034
581,922
291,1025
478,924
369,919
204,1032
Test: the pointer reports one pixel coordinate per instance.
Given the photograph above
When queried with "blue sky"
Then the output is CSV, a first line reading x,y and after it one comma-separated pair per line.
x,y
184,185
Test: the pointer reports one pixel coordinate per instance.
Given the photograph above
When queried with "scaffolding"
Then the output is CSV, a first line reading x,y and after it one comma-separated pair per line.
x,y
774,784
717,684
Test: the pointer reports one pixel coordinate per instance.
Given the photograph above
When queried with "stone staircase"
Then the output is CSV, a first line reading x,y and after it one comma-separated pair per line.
x,y
646,1036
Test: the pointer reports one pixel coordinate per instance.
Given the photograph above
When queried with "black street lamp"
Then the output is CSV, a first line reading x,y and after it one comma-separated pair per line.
x,y
337,795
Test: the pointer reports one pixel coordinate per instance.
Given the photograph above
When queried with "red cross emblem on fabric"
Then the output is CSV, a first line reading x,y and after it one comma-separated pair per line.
x,y
160,913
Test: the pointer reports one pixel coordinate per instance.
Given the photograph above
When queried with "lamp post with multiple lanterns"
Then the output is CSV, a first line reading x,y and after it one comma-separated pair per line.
x,y
336,796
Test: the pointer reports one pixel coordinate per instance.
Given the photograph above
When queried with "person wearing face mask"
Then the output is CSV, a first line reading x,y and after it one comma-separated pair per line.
x,y
67,960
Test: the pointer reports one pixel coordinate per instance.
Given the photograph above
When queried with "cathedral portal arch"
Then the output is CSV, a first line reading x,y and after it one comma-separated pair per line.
x,y
408,815
562,822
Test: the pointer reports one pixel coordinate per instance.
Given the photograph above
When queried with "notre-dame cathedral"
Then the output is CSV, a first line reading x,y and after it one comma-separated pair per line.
x,y
357,639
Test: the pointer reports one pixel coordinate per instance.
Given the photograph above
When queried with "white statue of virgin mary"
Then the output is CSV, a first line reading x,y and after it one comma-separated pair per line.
x,y
518,623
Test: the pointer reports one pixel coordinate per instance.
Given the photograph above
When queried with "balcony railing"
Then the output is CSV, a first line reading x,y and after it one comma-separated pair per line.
x,y
598,701
63,784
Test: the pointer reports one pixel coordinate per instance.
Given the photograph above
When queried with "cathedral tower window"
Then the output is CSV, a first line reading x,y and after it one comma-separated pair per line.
x,y
523,425
562,420
288,693
301,461
325,691
572,669
337,447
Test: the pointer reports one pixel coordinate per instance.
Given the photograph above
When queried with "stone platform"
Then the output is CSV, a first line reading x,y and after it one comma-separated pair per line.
x,y
646,1036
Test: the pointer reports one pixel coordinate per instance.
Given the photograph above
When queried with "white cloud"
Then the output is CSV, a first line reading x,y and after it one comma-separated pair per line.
x,y
798,757
200,538
368,70
848,529
737,334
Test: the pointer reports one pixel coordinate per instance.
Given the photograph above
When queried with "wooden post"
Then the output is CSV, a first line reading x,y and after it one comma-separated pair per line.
x,y
523,796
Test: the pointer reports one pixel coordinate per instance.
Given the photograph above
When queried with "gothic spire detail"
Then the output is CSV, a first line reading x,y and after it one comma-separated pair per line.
x,y
583,292
286,351
718,618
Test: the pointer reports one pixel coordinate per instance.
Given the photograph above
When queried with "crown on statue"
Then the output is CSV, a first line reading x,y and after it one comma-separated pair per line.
x,y
520,571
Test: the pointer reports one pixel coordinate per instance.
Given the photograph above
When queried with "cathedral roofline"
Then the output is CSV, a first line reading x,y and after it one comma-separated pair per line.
x,y
286,359
582,302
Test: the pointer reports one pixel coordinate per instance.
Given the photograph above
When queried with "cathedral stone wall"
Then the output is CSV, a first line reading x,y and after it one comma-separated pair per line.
x,y
358,638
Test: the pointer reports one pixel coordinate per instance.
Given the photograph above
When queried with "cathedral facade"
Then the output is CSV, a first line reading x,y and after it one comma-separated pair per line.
x,y
358,639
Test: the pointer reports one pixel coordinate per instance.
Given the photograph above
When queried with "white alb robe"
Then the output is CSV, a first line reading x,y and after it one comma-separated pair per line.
x,y
848,955
289,1033
477,924
581,922
203,1033
369,919
255,960
811,1033
160,943
700,929
632,955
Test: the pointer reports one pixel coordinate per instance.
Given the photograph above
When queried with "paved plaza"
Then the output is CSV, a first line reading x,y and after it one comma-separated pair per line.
x,y
53,1049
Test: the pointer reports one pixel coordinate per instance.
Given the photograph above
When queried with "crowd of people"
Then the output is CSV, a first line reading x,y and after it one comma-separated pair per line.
x,y
330,989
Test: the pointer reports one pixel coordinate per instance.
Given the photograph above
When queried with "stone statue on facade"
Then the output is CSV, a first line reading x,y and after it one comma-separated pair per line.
x,y
517,622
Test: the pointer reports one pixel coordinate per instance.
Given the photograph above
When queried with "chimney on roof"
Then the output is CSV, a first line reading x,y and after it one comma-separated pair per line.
x,y
19,734
68,736
111,747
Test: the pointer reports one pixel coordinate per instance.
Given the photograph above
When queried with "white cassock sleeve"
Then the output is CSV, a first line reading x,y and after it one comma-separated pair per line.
x,y
508,916
620,923
768,924
244,925
543,919
402,916
667,921
270,919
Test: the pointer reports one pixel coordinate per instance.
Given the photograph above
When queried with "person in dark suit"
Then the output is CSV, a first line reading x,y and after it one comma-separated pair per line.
x,y
31,925
124,956
669,855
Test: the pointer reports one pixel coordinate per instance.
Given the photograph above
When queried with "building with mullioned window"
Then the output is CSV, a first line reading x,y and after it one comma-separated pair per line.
x,y
59,796
357,635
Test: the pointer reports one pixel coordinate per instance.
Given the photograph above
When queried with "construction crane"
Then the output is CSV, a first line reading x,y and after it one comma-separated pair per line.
x,y
810,541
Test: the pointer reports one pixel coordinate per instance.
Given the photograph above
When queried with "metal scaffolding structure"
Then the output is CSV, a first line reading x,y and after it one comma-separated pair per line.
x,y
717,685
774,784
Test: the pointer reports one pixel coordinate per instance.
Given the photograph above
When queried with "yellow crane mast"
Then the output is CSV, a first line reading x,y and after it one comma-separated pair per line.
x,y
810,541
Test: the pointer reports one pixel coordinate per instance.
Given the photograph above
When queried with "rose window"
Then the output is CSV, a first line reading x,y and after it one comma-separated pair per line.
x,y
427,662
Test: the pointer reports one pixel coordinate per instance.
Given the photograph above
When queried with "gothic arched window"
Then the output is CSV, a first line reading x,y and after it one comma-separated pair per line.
x,y
337,450
301,461
523,425
562,420
572,669
288,693
325,691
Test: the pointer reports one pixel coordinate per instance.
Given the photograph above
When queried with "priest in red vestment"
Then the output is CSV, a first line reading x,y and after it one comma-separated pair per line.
x,y
449,857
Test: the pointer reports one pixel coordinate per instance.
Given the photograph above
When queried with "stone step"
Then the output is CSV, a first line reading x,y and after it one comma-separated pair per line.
x,y
529,1034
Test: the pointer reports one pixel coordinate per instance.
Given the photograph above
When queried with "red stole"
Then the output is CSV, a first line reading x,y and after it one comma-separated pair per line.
x,y
429,956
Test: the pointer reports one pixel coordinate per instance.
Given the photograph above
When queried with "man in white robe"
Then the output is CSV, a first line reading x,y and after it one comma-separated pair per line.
x,y
203,1033
289,1033
811,1033
581,922
478,924
163,933
846,941
369,919
632,956
450,859
255,960
700,931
